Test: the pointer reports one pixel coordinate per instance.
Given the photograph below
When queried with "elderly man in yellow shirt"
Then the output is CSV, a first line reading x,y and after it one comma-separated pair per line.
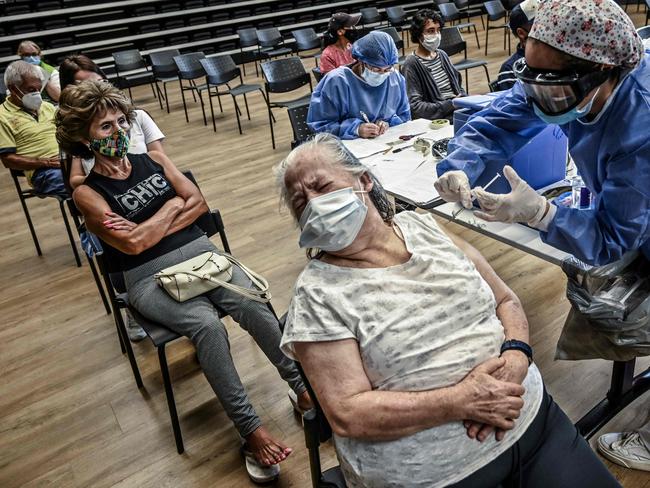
x,y
27,130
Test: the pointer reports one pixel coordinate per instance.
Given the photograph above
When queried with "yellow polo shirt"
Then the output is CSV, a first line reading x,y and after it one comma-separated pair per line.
x,y
26,135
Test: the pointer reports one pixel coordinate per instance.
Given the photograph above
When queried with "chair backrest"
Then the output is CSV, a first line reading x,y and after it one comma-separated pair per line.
x,y
495,10
128,60
298,119
644,32
392,31
189,65
441,2
396,15
270,37
220,69
285,74
461,3
449,12
317,74
306,39
162,63
247,37
451,41
370,15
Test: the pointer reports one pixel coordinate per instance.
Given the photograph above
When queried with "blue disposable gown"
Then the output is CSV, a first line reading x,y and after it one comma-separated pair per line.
x,y
612,155
340,97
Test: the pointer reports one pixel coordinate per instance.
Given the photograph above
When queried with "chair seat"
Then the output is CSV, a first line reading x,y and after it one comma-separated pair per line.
x,y
469,63
241,89
276,52
292,103
158,334
166,79
335,477
465,25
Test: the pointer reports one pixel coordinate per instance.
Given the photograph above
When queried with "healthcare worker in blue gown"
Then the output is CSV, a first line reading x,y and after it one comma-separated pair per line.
x,y
586,71
365,98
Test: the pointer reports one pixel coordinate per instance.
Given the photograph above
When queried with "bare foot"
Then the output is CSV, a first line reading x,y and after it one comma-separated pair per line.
x,y
304,401
265,448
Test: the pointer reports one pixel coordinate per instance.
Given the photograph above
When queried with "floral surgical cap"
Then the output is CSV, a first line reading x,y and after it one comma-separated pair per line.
x,y
595,30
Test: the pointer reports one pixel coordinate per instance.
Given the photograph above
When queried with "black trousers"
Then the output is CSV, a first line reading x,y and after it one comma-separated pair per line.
x,y
551,454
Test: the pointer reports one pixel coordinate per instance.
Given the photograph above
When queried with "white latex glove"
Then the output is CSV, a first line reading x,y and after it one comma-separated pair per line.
x,y
453,186
522,204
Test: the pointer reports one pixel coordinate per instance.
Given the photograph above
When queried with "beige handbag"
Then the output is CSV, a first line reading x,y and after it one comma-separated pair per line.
x,y
206,272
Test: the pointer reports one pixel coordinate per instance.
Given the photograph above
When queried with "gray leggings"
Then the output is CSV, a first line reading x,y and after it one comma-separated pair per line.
x,y
197,319
551,453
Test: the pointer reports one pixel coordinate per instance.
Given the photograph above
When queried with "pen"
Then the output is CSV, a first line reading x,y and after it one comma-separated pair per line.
x,y
365,117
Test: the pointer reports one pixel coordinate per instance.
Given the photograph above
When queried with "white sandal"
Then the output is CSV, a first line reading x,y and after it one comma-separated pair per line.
x,y
259,473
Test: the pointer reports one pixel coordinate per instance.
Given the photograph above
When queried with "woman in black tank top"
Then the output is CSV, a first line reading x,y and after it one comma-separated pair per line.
x,y
143,209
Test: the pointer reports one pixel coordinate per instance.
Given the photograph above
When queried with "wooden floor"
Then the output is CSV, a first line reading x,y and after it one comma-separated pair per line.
x,y
70,413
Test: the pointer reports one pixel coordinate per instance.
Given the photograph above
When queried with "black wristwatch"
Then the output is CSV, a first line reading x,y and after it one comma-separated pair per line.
x,y
518,346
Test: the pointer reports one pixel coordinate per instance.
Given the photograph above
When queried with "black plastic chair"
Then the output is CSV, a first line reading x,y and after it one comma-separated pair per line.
x,y
3,87
451,14
221,70
470,10
248,38
399,42
317,431
132,60
370,15
307,40
452,42
210,223
398,18
496,11
317,74
25,194
190,69
164,71
298,119
283,76
271,43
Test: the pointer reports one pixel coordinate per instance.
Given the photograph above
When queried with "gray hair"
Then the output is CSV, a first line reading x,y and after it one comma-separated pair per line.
x,y
19,70
335,153
26,45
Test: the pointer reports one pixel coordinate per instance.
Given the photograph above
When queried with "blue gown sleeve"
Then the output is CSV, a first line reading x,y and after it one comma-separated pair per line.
x,y
492,134
621,220
328,104
403,113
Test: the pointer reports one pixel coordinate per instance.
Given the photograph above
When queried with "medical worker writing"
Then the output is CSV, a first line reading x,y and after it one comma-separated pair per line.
x,y
584,70
364,99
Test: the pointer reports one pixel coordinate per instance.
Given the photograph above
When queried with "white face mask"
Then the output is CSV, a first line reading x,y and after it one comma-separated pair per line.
x,y
331,222
375,79
31,101
431,43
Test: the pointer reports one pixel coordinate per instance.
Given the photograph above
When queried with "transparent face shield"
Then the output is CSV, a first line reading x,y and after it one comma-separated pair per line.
x,y
557,92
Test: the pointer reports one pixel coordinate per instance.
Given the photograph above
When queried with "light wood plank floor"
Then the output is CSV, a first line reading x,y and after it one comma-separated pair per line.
x,y
70,414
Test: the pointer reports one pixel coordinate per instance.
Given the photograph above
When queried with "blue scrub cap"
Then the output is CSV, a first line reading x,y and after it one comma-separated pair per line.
x,y
376,49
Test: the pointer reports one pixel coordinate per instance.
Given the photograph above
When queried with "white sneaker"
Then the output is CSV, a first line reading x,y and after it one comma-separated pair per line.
x,y
626,449
133,329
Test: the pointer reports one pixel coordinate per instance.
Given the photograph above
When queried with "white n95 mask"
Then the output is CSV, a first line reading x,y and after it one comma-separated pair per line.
x,y
32,101
431,43
331,222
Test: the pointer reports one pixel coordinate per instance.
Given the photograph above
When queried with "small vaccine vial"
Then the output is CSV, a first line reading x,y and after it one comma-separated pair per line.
x,y
580,194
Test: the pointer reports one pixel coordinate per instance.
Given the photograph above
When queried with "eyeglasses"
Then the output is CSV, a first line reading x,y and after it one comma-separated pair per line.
x,y
375,69
557,92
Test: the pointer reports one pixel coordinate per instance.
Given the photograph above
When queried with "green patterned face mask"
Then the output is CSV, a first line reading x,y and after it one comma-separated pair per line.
x,y
114,146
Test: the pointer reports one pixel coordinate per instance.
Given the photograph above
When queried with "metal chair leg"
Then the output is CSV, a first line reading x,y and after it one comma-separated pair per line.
x,y
160,97
30,224
152,90
237,111
487,35
100,288
205,120
166,96
478,44
130,94
187,119
246,103
171,404
214,124
126,343
73,244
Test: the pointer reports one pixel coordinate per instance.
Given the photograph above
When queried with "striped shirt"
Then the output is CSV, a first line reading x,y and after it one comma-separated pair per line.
x,y
439,76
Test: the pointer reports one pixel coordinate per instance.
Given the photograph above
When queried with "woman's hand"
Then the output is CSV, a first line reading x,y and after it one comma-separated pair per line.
x,y
368,131
383,126
487,400
117,222
514,370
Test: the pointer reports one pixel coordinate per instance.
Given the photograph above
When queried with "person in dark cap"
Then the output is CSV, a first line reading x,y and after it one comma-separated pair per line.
x,y
521,21
338,39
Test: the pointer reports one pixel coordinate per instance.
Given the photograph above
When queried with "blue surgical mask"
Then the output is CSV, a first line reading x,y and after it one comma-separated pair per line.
x,y
565,118
32,60
374,79
331,222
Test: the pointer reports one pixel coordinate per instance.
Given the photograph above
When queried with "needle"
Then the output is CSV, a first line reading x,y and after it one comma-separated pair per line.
x,y
457,212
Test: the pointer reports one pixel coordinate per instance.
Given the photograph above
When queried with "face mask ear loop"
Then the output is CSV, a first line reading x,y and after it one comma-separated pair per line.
x,y
363,192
